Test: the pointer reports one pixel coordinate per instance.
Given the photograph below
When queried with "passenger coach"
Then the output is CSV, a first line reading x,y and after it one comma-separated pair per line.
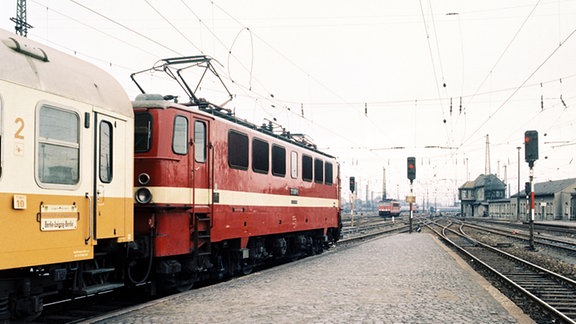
x,y
65,177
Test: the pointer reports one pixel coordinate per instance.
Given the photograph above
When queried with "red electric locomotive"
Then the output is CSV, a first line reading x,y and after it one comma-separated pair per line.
x,y
216,195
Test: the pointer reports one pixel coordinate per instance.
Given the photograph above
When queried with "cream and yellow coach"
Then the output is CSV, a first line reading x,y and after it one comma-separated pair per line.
x,y
66,163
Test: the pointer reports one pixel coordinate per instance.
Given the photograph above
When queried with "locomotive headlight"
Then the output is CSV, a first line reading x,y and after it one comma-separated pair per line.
x,y
143,196
143,179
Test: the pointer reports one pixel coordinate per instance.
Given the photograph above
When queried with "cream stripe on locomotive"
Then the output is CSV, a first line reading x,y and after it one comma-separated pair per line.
x,y
177,195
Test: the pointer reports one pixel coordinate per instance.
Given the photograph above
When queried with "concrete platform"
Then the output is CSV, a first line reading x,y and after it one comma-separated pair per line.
x,y
406,278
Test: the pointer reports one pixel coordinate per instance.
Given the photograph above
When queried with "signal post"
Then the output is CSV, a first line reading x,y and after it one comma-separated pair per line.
x,y
531,155
411,199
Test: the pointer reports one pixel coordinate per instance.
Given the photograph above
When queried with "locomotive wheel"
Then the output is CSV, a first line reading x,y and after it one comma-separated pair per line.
x,y
184,285
247,267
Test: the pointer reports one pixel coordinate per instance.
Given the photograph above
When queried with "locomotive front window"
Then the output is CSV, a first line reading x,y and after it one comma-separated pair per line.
x,y
58,153
260,156
105,152
180,135
200,141
142,132
237,150
278,161
318,171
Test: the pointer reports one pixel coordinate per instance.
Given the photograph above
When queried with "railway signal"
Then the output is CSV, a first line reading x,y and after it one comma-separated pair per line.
x,y
531,147
411,168
352,184
531,155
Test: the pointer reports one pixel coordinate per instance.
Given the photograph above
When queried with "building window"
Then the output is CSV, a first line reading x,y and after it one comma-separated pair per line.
x,y
180,135
260,156
200,141
318,171
105,152
142,132
237,150
58,156
307,168
278,161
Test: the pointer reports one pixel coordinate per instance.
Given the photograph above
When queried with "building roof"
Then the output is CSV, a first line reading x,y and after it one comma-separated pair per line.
x,y
488,182
551,187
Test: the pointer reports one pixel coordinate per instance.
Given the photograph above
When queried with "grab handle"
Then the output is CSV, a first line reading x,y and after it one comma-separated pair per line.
x,y
90,218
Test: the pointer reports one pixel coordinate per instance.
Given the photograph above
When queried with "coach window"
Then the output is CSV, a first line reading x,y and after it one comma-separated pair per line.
x,y
58,146
142,132
105,152
180,135
328,177
200,141
1,136
260,156
278,161
318,171
294,165
237,150
307,168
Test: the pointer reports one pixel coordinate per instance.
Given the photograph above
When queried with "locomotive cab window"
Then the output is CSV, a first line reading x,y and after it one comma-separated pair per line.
x,y
180,135
142,132
58,146
105,152
200,141
278,161
307,168
318,171
237,150
260,156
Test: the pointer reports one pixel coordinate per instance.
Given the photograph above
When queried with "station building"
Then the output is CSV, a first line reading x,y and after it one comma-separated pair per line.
x,y
485,197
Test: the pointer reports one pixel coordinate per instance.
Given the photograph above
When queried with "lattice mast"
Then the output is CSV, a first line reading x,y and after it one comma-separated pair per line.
x,y
20,19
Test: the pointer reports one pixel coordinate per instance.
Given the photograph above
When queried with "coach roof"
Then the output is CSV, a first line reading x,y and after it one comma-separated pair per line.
x,y
38,66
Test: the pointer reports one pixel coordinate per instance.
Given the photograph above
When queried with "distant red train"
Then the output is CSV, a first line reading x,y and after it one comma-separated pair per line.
x,y
389,208
218,195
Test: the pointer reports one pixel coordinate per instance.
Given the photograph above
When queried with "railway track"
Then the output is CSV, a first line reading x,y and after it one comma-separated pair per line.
x,y
552,296
564,244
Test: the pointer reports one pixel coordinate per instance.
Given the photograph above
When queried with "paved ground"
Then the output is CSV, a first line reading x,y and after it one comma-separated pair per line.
x,y
406,278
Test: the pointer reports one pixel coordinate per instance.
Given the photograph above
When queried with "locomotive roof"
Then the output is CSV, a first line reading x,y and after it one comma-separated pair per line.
x,y
38,66
208,109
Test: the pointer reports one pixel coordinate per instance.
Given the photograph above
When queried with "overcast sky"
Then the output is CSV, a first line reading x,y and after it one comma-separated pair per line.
x,y
372,82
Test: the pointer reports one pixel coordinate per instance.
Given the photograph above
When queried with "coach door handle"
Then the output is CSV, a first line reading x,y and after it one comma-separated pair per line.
x,y
90,219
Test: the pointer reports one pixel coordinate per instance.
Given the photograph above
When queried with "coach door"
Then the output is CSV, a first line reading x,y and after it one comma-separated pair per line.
x,y
112,160
201,165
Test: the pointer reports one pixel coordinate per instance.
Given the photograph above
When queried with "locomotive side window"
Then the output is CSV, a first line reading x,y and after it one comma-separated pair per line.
x,y
142,132
328,177
294,165
105,152
58,146
306,168
237,150
260,154
278,161
318,171
200,141
180,135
